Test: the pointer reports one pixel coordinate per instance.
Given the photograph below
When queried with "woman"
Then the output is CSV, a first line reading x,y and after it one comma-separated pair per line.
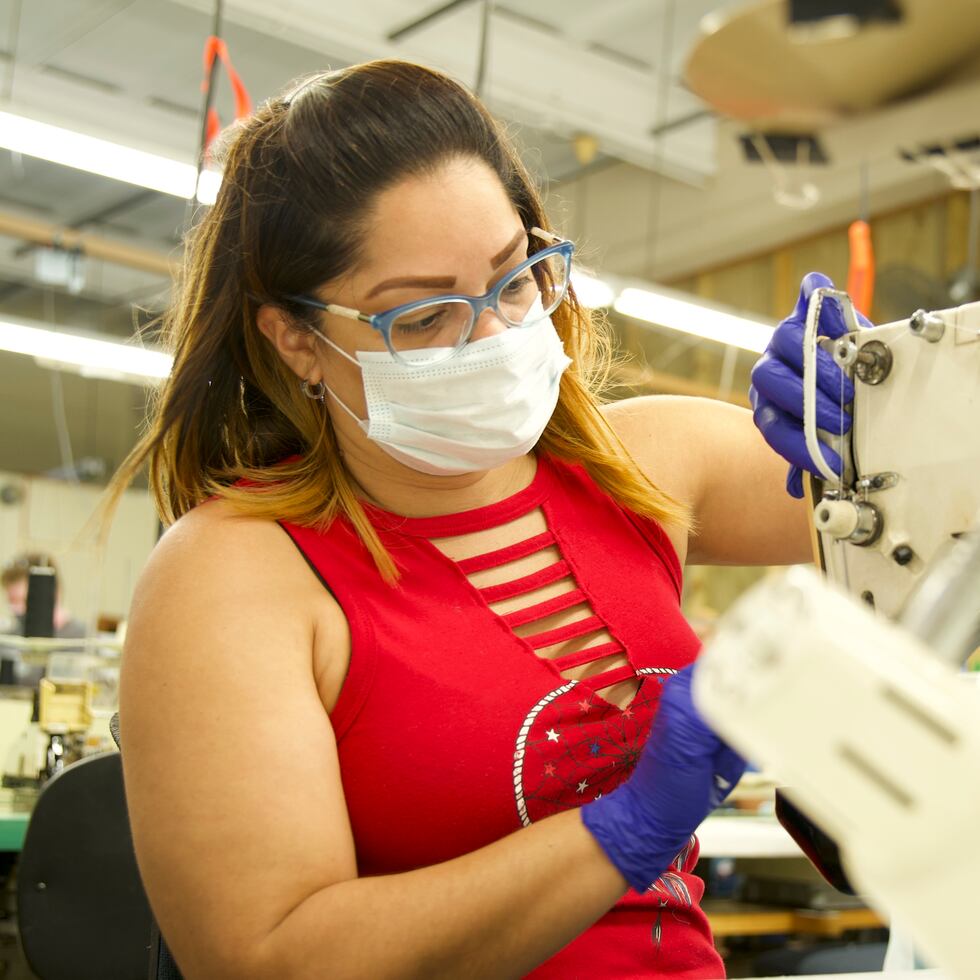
x,y
421,594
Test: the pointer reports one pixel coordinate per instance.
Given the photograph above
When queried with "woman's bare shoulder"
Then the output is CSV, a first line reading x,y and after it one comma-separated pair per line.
x,y
217,539
207,556
213,521
216,569
657,431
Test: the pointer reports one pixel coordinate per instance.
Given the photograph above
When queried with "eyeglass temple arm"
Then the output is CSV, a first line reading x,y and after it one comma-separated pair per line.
x,y
347,312
546,236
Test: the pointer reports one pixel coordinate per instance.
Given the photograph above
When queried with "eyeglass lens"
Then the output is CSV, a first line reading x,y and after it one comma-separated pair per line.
x,y
446,323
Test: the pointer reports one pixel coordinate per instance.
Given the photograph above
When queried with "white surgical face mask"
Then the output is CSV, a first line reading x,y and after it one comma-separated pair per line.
x,y
487,404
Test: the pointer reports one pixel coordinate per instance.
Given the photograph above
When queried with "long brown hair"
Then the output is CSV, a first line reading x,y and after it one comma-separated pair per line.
x,y
299,177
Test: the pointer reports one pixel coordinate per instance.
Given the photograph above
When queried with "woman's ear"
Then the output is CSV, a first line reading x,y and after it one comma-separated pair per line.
x,y
296,347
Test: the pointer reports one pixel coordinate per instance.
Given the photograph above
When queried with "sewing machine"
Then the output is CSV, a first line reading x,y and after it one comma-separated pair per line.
x,y
911,479
856,701
72,707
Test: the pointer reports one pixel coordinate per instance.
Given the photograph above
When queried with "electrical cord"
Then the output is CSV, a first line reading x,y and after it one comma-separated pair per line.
x,y
484,53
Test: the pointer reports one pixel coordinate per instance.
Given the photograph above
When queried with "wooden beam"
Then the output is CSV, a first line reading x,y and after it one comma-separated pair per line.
x,y
94,246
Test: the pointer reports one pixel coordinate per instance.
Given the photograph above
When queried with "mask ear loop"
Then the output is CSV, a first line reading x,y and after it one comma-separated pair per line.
x,y
338,349
324,388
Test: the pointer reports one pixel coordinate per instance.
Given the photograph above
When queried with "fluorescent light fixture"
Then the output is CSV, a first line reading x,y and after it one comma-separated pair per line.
x,y
670,310
87,355
591,292
107,159
666,310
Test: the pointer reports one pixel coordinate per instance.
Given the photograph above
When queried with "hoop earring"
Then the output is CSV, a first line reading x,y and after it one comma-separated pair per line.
x,y
314,392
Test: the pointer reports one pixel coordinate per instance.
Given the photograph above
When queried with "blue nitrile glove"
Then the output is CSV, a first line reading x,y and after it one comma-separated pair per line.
x,y
683,773
777,385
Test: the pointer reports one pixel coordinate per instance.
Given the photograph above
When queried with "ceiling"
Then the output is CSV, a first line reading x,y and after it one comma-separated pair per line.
x,y
131,71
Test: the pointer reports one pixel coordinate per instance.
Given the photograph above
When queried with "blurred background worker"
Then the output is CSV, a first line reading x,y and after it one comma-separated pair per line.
x,y
16,578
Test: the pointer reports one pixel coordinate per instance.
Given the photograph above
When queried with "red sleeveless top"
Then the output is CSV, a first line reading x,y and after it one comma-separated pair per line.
x,y
452,731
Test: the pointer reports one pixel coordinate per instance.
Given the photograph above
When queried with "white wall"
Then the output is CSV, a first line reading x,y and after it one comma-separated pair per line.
x,y
51,517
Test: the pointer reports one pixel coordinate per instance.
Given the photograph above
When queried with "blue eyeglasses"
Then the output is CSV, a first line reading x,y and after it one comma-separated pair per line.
x,y
431,330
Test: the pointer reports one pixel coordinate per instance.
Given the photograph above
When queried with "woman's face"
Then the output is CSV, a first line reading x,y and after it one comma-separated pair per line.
x,y
452,231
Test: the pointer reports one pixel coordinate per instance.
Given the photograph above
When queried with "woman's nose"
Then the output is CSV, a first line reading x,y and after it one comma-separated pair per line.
x,y
488,324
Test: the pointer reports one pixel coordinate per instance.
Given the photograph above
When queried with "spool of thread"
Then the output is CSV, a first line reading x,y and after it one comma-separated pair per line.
x,y
838,518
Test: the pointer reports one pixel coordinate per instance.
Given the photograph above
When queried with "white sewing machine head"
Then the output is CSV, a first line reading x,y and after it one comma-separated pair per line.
x,y
889,770
911,479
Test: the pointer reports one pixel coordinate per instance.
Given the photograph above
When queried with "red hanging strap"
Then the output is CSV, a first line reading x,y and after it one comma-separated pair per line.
x,y
215,47
861,269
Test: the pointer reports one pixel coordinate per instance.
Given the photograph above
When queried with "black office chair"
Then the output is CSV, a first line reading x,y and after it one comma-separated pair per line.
x,y
82,910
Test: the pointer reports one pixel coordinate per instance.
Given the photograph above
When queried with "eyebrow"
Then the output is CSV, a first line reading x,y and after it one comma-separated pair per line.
x,y
447,282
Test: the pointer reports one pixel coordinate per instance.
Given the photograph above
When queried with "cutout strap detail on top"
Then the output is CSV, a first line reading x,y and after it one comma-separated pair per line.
x,y
587,655
511,552
591,624
527,583
520,617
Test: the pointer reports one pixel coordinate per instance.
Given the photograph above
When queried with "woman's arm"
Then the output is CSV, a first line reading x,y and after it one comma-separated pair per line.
x,y
710,455
237,805
497,912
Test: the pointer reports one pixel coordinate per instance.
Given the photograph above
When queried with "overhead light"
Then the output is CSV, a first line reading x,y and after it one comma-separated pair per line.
x,y
664,308
107,159
91,356
667,310
591,292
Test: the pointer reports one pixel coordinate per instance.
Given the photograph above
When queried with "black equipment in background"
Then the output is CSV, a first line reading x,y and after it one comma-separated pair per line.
x,y
39,618
862,11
